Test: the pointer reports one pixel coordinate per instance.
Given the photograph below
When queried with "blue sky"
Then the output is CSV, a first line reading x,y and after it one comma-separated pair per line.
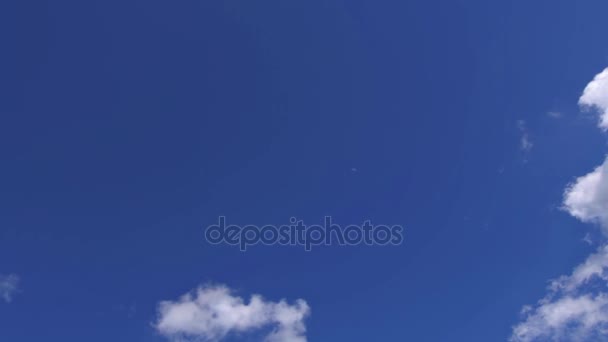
x,y
127,127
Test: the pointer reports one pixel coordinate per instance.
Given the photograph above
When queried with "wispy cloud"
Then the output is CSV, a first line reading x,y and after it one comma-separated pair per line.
x,y
573,310
576,308
554,114
524,143
8,287
212,313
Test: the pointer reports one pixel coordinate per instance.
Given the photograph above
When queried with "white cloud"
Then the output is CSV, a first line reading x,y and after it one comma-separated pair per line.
x,y
587,198
212,313
595,96
575,308
566,319
571,311
8,287
592,268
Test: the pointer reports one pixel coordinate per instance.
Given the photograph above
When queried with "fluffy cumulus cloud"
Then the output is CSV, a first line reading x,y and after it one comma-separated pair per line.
x,y
576,307
8,287
595,96
587,198
213,313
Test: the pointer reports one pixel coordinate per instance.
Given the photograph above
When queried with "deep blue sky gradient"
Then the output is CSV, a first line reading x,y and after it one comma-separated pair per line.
x,y
128,126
